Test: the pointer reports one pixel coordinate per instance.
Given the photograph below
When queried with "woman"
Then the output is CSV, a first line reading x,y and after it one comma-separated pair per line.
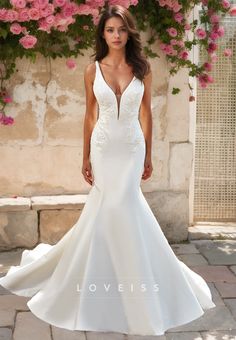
x,y
114,271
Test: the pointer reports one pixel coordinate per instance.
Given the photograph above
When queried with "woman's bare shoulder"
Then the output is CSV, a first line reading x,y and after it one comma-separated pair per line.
x,y
89,71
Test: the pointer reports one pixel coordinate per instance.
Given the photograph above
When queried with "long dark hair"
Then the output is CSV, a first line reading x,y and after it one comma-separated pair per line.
x,y
133,54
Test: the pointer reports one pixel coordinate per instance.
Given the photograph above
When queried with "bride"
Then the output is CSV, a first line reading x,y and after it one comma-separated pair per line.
x,y
117,239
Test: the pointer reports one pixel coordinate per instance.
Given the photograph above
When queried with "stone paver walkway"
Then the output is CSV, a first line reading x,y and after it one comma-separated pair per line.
x,y
214,260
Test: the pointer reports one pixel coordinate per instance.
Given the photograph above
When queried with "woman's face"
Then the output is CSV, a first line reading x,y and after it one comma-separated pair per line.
x,y
115,30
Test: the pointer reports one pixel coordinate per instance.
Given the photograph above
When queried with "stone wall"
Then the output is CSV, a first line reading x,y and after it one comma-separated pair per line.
x,y
41,154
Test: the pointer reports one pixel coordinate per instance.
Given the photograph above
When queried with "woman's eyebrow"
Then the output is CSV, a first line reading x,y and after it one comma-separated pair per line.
x,y
113,26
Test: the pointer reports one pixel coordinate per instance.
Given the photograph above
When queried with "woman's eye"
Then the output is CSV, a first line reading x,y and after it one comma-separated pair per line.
x,y
110,30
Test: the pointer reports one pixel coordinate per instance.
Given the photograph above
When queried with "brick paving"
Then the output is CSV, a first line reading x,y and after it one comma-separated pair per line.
x,y
215,260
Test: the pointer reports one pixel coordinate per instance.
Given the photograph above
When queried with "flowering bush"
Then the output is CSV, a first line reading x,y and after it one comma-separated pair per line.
x,y
64,28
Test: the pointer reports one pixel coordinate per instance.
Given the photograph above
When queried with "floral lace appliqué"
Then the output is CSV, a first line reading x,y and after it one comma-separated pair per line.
x,y
134,135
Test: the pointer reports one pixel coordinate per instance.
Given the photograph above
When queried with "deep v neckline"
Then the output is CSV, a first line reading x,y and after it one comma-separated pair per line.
x,y
117,104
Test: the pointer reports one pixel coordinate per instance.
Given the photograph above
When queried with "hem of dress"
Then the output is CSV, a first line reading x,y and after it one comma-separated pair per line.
x,y
125,332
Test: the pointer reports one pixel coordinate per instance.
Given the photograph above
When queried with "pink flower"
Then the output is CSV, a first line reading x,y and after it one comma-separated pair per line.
x,y
6,120
59,3
173,42
34,13
183,55
214,18
180,43
50,19
84,9
23,15
214,35
221,31
48,10
213,57
86,27
207,66
70,63
172,31
187,27
178,17
232,11
11,15
44,26
228,52
133,2
28,41
40,4
7,99
69,9
3,14
18,3
16,28
201,33
212,47
225,4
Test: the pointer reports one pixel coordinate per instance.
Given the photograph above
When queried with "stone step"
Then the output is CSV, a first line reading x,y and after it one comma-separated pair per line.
x,y
226,231
27,221
42,202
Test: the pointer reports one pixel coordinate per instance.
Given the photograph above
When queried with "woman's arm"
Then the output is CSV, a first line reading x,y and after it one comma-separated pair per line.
x,y
146,124
90,119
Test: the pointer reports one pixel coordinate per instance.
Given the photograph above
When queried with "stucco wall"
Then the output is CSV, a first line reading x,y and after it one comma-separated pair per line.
x,y
41,154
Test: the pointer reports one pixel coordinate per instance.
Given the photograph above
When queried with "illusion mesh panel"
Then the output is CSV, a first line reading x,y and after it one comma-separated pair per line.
x,y
215,149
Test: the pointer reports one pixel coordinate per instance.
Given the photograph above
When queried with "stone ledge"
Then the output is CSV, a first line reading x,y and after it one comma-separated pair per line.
x,y
212,232
42,202
58,202
25,222
14,204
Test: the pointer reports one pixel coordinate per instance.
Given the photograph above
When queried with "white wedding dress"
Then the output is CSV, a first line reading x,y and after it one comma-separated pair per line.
x,y
114,270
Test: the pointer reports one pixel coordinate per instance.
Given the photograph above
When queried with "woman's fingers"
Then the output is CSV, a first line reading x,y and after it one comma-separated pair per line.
x,y
147,172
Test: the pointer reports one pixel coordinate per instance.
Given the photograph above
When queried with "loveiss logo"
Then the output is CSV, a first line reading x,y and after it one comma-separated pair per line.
x,y
131,287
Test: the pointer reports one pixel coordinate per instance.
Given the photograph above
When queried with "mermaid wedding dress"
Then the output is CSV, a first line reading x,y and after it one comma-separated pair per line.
x,y
114,270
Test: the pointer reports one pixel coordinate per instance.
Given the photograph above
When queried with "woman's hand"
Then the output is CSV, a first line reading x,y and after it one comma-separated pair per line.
x,y
147,168
87,171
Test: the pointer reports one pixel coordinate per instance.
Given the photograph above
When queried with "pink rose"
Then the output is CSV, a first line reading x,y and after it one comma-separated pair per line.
x,y
59,3
48,10
70,63
211,47
11,15
213,57
23,15
5,120
40,4
18,3
172,31
7,99
183,55
50,19
221,31
44,26
232,11
16,28
214,18
28,41
3,14
178,17
187,27
225,4
201,33
34,13
228,52
207,66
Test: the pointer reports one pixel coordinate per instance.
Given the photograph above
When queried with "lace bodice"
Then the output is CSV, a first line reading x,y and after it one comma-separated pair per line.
x,y
118,121
129,102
